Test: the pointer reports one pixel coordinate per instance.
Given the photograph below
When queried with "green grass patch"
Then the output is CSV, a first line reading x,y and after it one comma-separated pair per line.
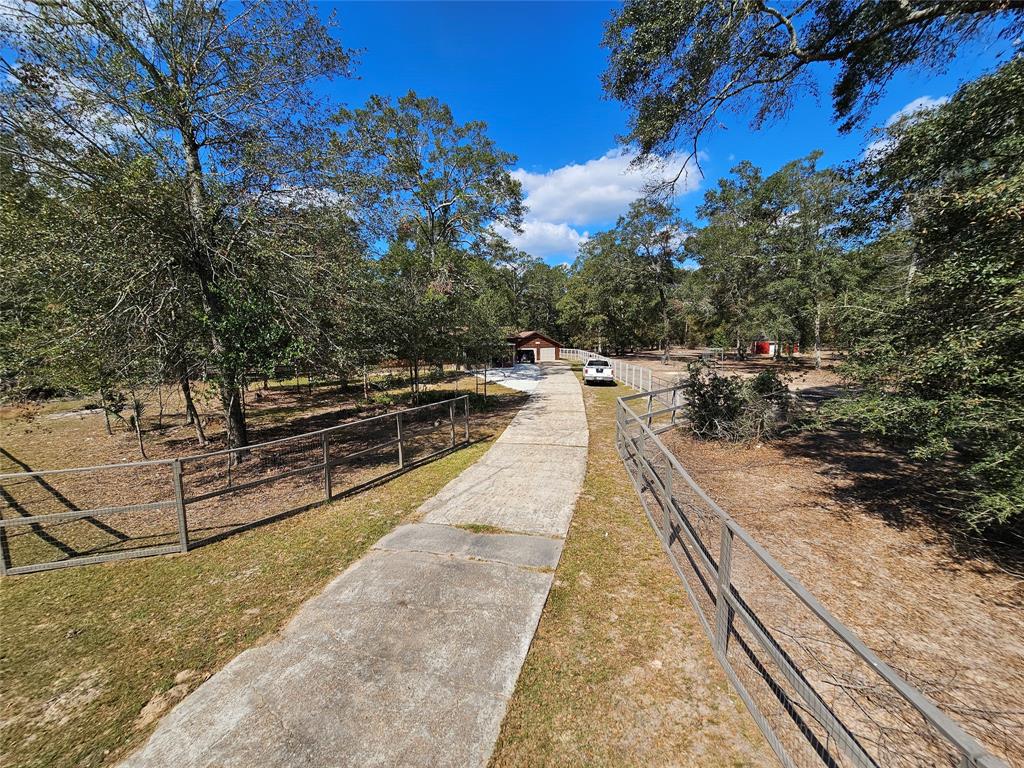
x,y
83,651
619,672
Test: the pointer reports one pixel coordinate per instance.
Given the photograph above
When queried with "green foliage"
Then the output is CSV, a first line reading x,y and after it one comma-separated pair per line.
x,y
772,257
939,368
188,135
618,295
421,176
677,63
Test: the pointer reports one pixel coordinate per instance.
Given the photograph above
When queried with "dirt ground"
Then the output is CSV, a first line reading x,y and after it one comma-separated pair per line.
x,y
61,434
862,529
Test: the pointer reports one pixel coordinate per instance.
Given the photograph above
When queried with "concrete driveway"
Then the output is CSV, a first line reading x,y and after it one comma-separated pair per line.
x,y
410,656
523,377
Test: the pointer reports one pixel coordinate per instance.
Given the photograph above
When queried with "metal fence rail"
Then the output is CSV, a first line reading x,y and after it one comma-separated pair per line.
x,y
169,505
638,377
818,694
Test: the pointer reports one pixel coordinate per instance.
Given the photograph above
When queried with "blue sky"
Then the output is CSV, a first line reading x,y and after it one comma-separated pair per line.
x,y
531,71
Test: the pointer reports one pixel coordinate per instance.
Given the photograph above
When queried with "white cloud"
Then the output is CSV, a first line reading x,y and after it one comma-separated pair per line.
x,y
595,191
879,147
545,238
920,104
564,201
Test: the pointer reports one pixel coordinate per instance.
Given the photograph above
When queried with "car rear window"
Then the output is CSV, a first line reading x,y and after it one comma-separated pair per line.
x,y
599,364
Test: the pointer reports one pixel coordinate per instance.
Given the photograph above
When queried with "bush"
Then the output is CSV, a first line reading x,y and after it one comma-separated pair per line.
x,y
731,408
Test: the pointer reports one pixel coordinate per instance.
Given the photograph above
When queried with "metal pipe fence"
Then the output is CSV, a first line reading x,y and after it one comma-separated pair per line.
x,y
818,694
63,518
638,377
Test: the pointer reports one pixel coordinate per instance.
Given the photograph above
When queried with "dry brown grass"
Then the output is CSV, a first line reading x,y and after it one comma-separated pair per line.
x,y
619,672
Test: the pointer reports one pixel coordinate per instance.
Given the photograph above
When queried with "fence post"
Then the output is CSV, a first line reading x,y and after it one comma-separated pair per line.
x,y
401,448
451,417
465,402
667,482
325,443
723,611
5,555
179,503
650,409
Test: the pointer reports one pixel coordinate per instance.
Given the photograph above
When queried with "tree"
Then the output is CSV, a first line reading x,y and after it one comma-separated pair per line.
x,y
524,290
677,63
691,308
430,188
938,368
421,176
652,229
736,252
543,287
218,96
610,301
773,253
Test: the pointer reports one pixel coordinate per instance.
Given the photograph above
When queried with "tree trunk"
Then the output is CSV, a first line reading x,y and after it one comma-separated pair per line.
x,y
191,414
137,423
911,271
203,264
664,328
138,434
817,335
238,435
106,411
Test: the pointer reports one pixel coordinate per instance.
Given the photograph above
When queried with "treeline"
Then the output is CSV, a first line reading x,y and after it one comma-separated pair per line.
x,y
177,202
910,262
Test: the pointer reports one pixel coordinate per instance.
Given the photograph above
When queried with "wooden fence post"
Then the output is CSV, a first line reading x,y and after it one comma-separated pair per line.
x,y
466,403
325,447
401,447
179,503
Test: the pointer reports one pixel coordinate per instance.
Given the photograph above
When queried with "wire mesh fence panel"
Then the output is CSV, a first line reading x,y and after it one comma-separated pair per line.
x,y
67,516
90,514
430,430
362,453
819,694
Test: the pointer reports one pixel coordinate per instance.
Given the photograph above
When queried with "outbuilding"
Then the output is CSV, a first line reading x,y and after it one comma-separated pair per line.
x,y
534,347
764,346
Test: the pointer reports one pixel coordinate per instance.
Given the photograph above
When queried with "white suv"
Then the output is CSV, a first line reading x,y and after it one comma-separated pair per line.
x,y
598,370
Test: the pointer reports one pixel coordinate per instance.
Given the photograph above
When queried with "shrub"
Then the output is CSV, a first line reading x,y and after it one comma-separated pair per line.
x,y
731,408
